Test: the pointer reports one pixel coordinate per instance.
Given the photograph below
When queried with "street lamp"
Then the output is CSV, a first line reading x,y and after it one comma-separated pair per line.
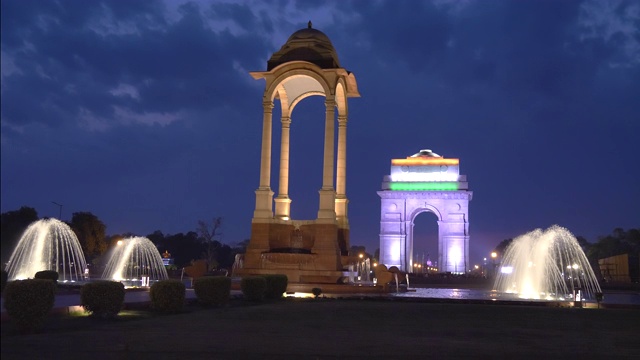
x,y
60,212
494,255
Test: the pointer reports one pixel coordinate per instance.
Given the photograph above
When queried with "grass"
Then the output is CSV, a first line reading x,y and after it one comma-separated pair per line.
x,y
347,328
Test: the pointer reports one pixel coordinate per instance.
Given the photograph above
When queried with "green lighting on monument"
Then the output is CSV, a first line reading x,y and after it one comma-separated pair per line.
x,y
423,186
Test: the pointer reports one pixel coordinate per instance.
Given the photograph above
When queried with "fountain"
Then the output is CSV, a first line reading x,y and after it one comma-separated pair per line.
x,y
47,244
364,271
547,264
135,260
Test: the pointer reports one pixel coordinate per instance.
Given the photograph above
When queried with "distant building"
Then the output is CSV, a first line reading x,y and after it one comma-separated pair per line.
x,y
620,268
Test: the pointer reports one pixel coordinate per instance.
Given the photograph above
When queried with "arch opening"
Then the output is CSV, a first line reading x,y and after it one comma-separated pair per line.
x,y
305,157
425,242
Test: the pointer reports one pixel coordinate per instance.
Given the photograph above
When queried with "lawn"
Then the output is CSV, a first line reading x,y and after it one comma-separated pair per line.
x,y
338,328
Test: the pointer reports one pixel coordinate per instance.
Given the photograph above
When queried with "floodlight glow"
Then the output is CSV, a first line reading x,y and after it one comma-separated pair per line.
x,y
506,269
423,186
455,258
301,295
424,161
434,176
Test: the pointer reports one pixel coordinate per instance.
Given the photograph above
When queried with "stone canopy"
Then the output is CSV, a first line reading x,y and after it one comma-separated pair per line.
x,y
306,45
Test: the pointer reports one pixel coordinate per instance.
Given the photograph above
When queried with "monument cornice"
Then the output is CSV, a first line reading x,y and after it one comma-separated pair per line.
x,y
462,195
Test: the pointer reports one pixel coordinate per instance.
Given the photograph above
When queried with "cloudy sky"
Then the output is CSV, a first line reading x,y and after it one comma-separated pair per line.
x,y
143,112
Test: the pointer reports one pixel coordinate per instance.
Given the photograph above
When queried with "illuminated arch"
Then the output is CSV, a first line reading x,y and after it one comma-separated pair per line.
x,y
401,204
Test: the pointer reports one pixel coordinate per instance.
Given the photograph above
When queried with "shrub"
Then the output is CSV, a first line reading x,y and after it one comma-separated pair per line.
x,y
28,302
212,290
102,298
316,292
5,277
167,296
47,274
253,287
276,286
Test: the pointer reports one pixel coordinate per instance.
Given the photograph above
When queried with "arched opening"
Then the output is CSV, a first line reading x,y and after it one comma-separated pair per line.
x,y
425,242
306,157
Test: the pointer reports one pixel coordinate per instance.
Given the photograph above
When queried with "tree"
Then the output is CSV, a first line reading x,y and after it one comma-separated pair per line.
x,y
184,248
91,233
158,239
357,250
241,247
12,225
208,233
502,246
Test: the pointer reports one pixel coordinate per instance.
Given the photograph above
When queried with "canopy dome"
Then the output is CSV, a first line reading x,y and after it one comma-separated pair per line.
x,y
306,45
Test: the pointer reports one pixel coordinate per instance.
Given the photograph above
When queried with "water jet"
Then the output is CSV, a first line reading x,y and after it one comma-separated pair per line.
x,y
47,244
546,264
133,260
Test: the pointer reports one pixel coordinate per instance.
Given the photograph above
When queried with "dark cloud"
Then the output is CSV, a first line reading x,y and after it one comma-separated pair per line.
x,y
70,65
240,14
419,40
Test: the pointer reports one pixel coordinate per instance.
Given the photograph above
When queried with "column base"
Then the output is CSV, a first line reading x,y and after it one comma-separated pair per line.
x,y
283,208
327,208
264,200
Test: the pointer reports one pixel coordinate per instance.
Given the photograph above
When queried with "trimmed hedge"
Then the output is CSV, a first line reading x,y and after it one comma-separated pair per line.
x,y
167,296
212,290
28,302
276,285
102,298
47,274
253,287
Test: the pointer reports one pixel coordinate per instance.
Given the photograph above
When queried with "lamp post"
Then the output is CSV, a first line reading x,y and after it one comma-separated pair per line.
x,y
60,208
494,255
484,267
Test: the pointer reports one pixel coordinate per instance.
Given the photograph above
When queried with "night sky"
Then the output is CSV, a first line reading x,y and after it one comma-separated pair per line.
x,y
144,113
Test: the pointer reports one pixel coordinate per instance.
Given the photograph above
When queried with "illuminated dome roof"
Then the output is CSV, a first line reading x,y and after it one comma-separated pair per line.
x,y
306,45
425,153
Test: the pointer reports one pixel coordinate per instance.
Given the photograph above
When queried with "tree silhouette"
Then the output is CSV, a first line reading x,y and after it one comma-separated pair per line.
x,y
91,233
12,225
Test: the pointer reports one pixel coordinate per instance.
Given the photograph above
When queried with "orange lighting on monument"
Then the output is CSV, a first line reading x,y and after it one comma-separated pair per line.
x,y
424,161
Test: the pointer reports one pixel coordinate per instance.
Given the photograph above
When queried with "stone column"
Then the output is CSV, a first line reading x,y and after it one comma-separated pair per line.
x,y
327,193
283,203
341,171
264,195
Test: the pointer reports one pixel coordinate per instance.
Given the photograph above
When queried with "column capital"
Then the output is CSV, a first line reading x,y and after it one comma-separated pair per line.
x,y
342,120
267,105
286,120
330,103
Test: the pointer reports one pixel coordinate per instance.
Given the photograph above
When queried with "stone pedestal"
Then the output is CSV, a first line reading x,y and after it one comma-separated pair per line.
x,y
304,250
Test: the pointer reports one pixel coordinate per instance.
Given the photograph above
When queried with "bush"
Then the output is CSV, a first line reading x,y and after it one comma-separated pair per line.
x,y
167,296
212,290
102,298
5,277
276,286
28,302
253,287
316,292
47,274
